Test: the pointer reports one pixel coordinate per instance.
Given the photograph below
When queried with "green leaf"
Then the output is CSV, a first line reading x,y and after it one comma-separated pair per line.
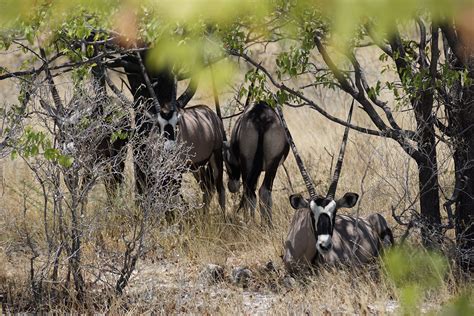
x,y
118,135
65,161
51,154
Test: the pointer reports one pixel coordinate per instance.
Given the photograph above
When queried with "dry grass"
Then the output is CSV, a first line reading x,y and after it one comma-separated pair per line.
x,y
167,279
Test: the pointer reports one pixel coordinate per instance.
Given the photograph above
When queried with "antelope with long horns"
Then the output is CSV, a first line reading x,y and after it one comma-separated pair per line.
x,y
197,127
318,234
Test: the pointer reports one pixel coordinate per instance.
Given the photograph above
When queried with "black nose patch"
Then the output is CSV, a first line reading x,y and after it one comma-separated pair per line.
x,y
324,225
169,132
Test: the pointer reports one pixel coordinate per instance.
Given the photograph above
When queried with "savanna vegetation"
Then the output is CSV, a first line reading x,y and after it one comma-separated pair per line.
x,y
99,210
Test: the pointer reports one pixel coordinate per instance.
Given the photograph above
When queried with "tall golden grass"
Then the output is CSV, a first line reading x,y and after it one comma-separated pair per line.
x,y
167,277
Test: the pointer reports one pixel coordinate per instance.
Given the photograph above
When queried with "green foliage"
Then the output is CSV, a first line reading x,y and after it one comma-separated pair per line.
x,y
451,77
463,305
187,34
33,143
119,134
413,272
234,38
257,86
374,92
293,62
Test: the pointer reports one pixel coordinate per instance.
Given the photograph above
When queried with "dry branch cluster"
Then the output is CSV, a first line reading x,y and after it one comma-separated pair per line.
x,y
72,148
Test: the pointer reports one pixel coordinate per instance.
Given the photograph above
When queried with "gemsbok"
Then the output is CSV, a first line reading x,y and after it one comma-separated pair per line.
x,y
198,127
257,144
318,235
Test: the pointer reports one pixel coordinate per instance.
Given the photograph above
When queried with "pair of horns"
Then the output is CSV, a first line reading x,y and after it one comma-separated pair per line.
x,y
175,101
306,177
155,102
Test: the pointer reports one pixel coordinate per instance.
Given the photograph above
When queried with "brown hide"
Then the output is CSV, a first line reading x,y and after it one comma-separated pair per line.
x,y
354,241
202,130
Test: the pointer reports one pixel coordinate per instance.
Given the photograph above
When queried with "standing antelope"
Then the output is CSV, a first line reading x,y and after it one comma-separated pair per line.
x,y
197,127
257,144
318,235
201,130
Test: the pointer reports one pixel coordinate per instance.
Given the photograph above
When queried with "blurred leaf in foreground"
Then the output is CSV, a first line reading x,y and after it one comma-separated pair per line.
x,y
414,271
461,306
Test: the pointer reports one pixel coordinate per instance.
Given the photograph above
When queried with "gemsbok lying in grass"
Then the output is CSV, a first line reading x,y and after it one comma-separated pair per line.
x,y
318,235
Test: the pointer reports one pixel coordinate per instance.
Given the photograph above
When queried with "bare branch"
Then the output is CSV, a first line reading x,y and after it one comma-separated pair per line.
x,y
117,92
435,53
454,43
362,85
312,104
422,60
358,95
52,86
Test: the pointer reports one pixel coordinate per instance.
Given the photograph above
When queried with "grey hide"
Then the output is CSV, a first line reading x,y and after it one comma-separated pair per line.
x,y
246,132
258,144
202,130
355,241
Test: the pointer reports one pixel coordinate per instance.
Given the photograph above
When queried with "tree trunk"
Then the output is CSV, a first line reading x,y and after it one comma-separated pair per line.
x,y
464,166
428,171
429,203
464,216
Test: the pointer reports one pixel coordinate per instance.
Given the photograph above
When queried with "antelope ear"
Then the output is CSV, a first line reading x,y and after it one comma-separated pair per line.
x,y
348,200
297,201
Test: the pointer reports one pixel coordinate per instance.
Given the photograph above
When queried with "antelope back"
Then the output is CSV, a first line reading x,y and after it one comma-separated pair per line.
x,y
354,242
202,130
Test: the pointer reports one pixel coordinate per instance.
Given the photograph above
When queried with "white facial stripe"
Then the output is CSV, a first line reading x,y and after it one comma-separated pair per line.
x,y
318,210
324,242
172,121
162,122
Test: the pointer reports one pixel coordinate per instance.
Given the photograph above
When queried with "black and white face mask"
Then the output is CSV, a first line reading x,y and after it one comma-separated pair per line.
x,y
167,123
324,211
323,214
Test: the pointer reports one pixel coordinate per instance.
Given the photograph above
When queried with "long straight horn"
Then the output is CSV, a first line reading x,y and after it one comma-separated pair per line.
x,y
54,92
174,101
337,170
216,99
306,177
155,101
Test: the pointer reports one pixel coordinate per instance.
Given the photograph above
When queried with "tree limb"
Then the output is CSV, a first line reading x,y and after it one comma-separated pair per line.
x,y
312,104
454,43
362,85
422,60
